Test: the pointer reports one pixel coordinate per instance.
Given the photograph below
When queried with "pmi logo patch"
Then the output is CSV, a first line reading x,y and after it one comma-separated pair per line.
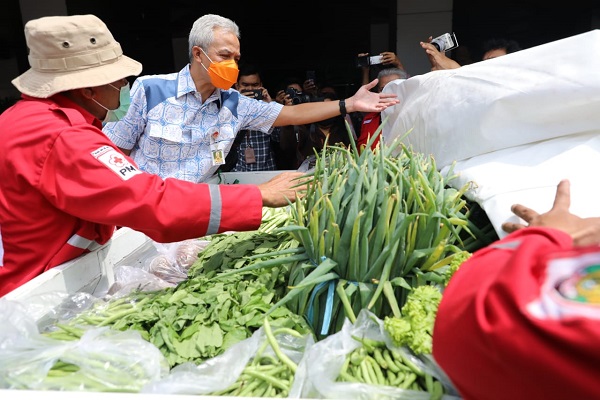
x,y
116,161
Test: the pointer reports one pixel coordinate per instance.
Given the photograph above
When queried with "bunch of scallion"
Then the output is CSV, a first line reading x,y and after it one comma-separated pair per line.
x,y
373,226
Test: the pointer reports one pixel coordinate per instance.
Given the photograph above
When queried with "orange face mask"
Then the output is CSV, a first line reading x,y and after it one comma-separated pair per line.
x,y
222,74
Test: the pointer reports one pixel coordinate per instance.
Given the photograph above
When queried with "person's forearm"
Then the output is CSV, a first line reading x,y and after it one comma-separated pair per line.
x,y
365,76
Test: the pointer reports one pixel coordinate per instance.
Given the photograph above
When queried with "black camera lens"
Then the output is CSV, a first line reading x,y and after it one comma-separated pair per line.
x,y
296,96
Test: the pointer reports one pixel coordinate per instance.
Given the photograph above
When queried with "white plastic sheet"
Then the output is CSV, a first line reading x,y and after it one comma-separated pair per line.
x,y
514,126
544,92
529,174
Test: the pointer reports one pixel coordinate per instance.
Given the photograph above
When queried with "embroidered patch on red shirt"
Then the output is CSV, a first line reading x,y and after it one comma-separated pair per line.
x,y
116,161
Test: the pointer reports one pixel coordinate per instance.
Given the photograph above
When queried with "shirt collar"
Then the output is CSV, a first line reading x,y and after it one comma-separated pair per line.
x,y
185,85
64,102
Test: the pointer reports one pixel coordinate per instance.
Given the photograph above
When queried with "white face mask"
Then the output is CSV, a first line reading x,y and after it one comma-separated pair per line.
x,y
119,112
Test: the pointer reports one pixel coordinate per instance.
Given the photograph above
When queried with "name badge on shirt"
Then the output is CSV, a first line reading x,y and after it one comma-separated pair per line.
x,y
249,155
217,153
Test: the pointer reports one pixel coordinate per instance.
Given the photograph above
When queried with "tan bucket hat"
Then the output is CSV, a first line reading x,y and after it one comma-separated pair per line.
x,y
72,52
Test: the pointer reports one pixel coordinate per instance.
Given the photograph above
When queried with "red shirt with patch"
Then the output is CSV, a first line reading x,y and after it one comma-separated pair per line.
x,y
504,331
64,187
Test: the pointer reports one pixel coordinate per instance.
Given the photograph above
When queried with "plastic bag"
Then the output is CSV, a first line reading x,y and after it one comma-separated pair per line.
x,y
318,372
175,259
102,360
128,279
217,375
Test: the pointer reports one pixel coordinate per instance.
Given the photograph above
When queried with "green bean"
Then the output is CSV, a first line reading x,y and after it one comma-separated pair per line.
x,y
409,379
273,342
366,374
378,356
376,368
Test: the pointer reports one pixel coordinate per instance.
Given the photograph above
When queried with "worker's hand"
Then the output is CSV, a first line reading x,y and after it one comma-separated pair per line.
x,y
584,231
282,189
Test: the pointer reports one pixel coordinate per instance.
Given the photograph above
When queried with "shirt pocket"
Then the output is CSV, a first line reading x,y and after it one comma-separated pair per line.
x,y
170,133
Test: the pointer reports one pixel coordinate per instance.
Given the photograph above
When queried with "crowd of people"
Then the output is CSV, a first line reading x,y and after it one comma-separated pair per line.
x,y
73,167
125,142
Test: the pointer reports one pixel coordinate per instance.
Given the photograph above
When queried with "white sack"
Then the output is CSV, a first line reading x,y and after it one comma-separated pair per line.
x,y
528,174
544,92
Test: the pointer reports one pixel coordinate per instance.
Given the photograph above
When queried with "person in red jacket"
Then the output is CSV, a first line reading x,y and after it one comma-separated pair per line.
x,y
520,319
64,186
372,121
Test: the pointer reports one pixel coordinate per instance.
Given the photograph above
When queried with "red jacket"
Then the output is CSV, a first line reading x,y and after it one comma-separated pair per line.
x,y
370,124
64,187
503,330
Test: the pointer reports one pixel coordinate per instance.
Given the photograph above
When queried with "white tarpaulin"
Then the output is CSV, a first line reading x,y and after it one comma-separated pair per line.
x,y
515,125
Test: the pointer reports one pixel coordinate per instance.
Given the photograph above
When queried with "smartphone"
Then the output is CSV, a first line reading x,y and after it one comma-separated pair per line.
x,y
365,61
311,75
445,42
258,94
255,93
373,60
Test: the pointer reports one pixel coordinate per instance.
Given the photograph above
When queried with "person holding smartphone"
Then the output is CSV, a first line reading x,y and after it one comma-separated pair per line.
x,y
386,59
252,150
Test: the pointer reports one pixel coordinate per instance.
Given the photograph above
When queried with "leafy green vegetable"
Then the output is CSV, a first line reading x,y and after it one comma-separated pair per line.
x,y
211,310
415,326
457,261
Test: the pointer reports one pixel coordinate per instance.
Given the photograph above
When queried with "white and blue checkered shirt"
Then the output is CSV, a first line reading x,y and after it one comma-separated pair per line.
x,y
172,134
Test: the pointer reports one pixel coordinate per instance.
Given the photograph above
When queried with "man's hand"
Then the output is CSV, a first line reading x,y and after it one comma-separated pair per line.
x,y
309,87
367,101
438,59
584,231
390,58
282,189
266,96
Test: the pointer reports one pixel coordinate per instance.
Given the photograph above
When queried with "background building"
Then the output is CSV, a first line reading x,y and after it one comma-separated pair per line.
x,y
289,38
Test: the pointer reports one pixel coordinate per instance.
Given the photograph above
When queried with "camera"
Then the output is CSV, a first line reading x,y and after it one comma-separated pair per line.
x,y
254,93
365,61
445,42
296,96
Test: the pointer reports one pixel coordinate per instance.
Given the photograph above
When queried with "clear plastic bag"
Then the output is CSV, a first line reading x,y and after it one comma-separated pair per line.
x,y
217,375
173,260
102,360
319,370
128,279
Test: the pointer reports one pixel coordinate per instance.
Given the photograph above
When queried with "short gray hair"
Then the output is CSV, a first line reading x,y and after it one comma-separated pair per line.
x,y
402,74
202,31
397,72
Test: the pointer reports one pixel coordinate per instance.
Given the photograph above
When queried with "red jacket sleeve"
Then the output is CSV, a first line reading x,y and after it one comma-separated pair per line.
x,y
85,175
503,331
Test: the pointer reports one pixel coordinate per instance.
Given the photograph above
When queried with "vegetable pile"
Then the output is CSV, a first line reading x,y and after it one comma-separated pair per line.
x,y
373,227
374,231
375,364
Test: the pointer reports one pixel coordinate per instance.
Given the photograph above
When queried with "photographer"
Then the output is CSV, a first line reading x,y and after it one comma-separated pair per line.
x,y
371,67
252,150
491,48
386,59
312,139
